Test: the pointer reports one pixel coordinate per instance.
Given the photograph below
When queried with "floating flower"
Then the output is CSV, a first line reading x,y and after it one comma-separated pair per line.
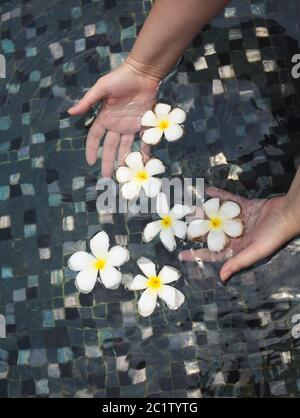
x,y
136,176
219,224
169,226
155,285
103,261
163,121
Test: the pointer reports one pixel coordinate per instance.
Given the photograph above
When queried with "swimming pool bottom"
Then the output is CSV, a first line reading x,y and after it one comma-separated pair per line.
x,y
243,107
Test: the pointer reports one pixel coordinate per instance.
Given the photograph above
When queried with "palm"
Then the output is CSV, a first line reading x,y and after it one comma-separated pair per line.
x,y
261,218
125,97
265,230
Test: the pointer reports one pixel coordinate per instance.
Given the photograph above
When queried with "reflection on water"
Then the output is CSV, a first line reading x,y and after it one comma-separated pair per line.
x,y
242,135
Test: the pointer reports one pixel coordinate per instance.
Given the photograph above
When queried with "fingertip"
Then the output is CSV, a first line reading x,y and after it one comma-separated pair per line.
x,y
82,106
71,110
91,162
225,275
146,151
186,256
91,159
227,270
75,110
212,191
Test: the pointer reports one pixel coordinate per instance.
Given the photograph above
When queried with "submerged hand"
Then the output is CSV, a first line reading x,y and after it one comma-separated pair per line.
x,y
126,94
266,228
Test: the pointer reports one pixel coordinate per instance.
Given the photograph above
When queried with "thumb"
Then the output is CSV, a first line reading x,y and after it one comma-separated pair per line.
x,y
244,259
96,93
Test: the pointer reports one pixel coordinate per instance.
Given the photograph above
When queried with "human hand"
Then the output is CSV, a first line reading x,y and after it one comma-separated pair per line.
x,y
267,227
126,94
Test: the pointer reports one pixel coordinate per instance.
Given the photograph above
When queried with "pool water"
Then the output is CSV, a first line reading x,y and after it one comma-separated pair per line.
x,y
242,134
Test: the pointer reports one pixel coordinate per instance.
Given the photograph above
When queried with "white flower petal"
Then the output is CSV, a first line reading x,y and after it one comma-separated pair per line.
x,y
169,274
179,229
151,230
162,110
152,136
171,296
162,206
134,160
152,186
211,206
180,211
86,280
177,115
154,166
138,283
233,227
230,209
198,228
110,277
99,244
216,240
168,239
131,190
118,255
173,132
147,266
149,119
81,260
124,174
147,302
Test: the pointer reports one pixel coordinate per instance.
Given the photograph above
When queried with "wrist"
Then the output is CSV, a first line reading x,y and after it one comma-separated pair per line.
x,y
291,215
143,69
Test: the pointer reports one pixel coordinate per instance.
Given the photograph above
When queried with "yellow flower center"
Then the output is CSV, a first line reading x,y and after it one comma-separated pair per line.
x,y
100,263
142,176
163,124
154,283
215,222
166,222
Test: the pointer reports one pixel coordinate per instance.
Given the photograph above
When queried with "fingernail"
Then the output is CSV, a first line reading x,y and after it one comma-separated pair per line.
x,y
225,275
180,257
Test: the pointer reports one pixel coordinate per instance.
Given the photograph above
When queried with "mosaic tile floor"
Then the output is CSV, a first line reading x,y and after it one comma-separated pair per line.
x,y
243,108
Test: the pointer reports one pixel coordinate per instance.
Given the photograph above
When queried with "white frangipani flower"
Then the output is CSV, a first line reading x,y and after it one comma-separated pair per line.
x,y
169,226
103,261
137,176
155,285
219,224
161,121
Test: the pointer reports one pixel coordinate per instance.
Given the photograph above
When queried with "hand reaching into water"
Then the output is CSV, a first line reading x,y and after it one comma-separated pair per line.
x,y
267,226
130,90
126,94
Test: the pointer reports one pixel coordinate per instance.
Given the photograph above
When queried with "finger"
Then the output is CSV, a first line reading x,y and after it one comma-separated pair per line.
x,y
202,255
145,150
224,195
110,148
244,259
96,93
94,137
124,147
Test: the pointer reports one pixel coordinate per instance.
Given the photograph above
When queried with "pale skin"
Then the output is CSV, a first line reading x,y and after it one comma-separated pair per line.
x,y
268,224
131,89
128,91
